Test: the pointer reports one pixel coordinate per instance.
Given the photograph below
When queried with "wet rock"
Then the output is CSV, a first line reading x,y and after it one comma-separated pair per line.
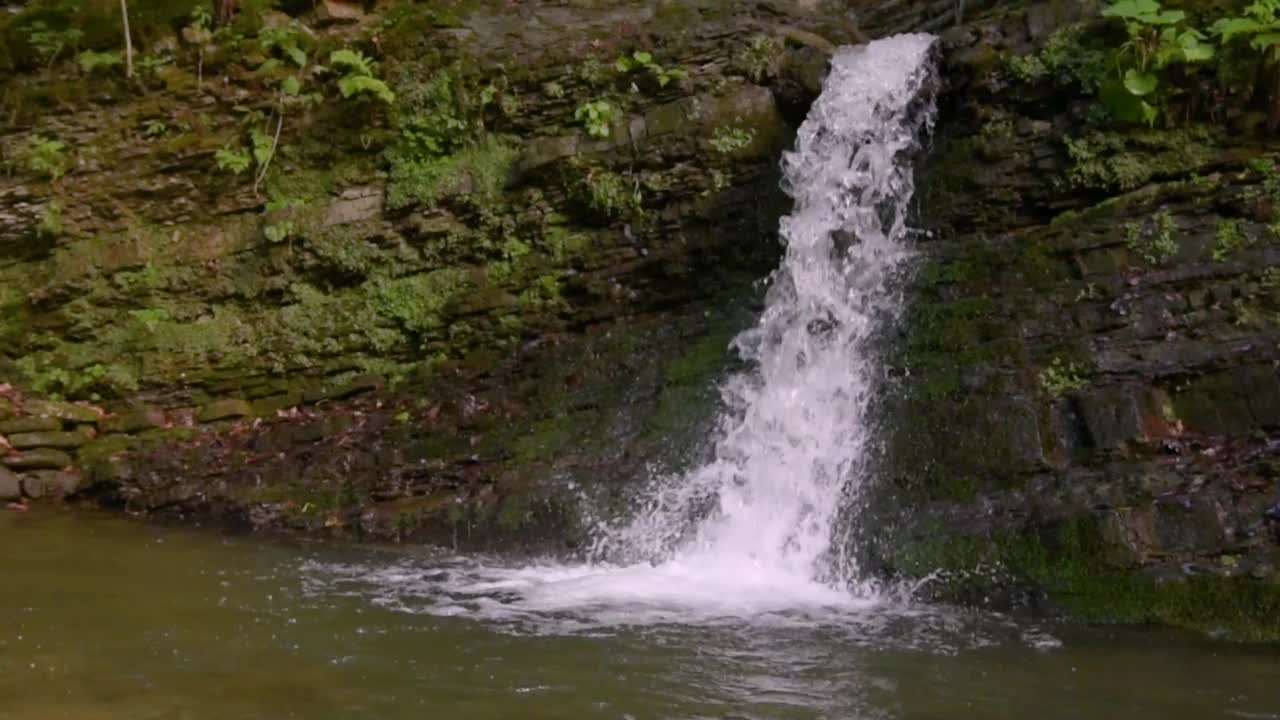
x,y
1273,512
355,205
51,483
363,383
273,404
1111,416
30,423
37,459
132,422
229,409
10,485
63,440
336,11
70,412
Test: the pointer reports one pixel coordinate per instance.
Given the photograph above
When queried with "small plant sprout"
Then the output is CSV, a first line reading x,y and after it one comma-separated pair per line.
x,y
598,116
1061,378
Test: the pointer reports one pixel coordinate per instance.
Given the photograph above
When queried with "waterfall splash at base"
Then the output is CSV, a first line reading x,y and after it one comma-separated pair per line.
x,y
751,532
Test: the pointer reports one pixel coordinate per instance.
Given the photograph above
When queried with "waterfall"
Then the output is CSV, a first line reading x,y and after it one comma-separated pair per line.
x,y
751,532
793,440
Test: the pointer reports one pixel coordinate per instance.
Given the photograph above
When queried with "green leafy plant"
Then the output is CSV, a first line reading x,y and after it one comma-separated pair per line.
x,y
91,61
1155,243
1159,39
45,156
1229,239
1260,24
232,160
50,221
359,77
283,39
1061,378
641,60
155,128
49,42
598,116
728,140
198,32
759,59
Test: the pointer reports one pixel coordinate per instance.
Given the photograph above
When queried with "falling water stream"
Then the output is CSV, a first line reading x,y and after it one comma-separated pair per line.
x,y
749,534
725,595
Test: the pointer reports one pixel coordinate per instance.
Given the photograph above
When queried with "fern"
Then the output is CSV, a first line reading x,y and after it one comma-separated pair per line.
x,y
232,160
362,84
360,78
356,62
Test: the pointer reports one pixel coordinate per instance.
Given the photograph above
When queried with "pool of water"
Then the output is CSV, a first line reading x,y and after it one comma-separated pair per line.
x,y
103,617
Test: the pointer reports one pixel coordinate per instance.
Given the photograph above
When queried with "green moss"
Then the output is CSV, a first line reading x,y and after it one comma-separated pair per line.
x,y
697,364
1156,241
1230,239
417,302
476,173
1110,161
1069,560
1067,60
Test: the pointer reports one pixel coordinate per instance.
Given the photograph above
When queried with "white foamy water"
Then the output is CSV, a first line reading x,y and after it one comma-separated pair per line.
x,y
750,533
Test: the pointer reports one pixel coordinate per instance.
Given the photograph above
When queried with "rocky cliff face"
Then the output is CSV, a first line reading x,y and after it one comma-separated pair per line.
x,y
1089,399
464,314
522,240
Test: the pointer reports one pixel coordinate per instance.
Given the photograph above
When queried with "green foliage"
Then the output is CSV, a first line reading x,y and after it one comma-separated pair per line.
x,y
91,61
1260,24
46,157
360,76
432,118
598,116
643,61
155,128
1110,161
1155,242
57,381
233,160
592,72
759,59
1159,42
50,220
476,173
611,195
729,140
48,41
1061,378
1229,239
416,302
1065,59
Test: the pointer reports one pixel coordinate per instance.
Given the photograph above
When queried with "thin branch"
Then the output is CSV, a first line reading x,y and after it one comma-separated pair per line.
x,y
262,171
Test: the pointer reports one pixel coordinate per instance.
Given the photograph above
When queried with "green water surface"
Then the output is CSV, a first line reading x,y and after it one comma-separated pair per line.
x,y
105,618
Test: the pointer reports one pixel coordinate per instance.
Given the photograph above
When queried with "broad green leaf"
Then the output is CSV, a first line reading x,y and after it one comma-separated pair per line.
x,y
291,86
1266,40
1131,8
642,57
1165,17
1193,49
1140,84
1227,28
1150,113
623,65
297,55
1119,102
